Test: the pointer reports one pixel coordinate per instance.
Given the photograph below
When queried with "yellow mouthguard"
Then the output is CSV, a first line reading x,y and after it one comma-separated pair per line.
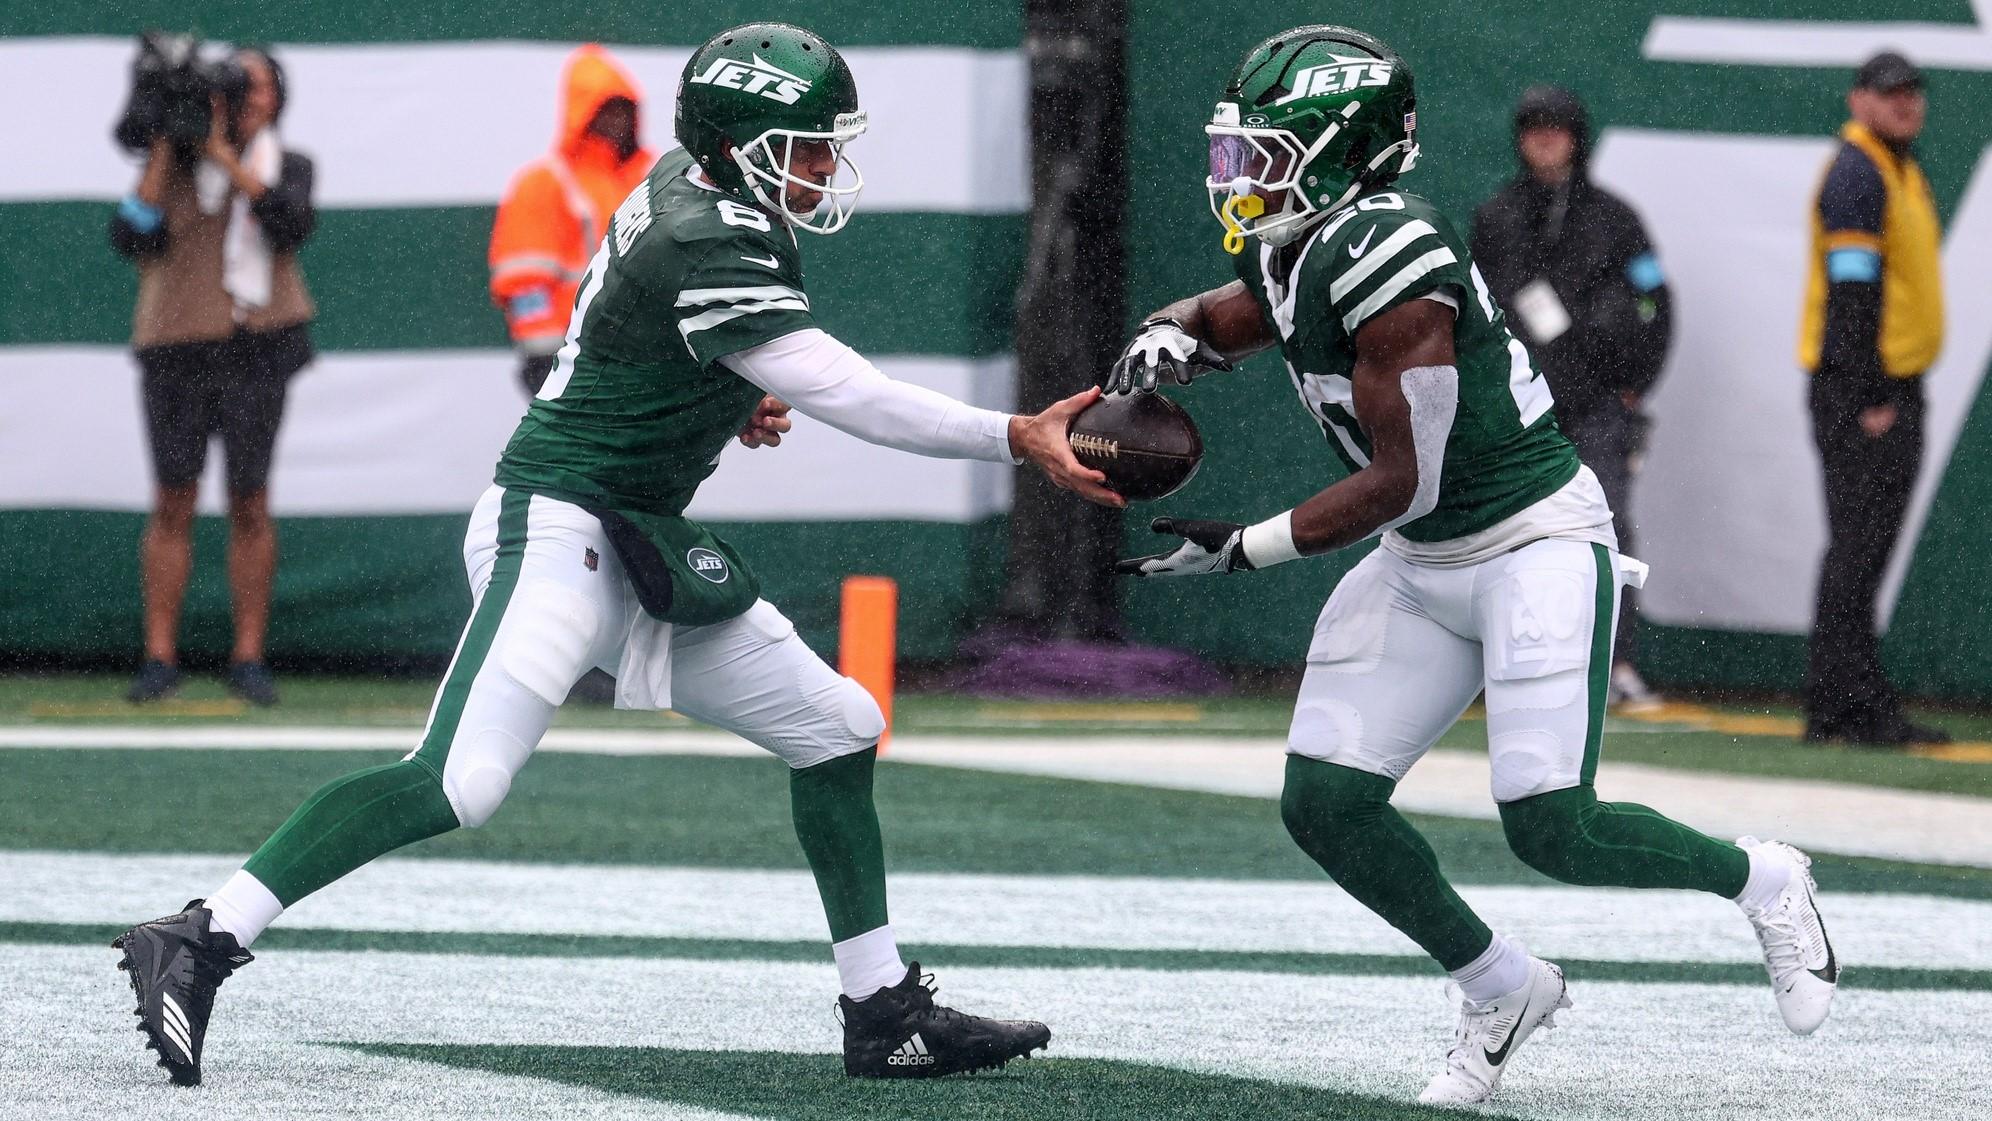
x,y
1236,207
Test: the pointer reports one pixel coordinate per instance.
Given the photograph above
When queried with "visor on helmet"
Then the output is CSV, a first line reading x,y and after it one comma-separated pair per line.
x,y
1253,184
1234,155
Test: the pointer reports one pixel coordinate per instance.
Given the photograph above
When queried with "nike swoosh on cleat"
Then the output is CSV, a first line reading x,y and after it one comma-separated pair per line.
x,y
1496,1058
1362,247
770,262
1831,973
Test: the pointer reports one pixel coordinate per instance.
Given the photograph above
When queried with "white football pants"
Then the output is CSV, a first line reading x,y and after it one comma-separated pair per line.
x,y
1401,650
552,601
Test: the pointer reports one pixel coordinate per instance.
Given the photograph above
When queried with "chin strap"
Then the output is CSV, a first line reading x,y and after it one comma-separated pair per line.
x,y
1236,207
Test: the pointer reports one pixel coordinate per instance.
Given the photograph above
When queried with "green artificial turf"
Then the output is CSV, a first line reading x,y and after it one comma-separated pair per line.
x,y
813,1087
705,811
72,700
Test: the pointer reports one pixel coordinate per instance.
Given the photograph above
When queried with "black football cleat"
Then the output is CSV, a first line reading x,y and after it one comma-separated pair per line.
x,y
899,1032
175,964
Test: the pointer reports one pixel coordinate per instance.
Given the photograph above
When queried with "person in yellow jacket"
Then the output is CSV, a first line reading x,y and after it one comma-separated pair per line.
x,y
557,206
1873,324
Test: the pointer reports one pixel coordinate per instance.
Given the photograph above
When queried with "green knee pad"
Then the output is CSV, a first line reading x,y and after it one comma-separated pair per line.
x,y
1570,836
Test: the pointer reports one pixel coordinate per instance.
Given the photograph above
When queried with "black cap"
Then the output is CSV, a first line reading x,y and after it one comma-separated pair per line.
x,y
1551,106
1886,72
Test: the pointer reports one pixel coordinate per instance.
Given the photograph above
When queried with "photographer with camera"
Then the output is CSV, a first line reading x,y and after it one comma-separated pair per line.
x,y
222,323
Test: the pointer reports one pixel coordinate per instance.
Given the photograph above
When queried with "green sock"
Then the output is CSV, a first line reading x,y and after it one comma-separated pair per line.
x,y
838,827
1342,818
347,823
1569,835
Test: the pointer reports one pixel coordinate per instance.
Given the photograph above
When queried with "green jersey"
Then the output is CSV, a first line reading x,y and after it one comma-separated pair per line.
x,y
638,408
1505,452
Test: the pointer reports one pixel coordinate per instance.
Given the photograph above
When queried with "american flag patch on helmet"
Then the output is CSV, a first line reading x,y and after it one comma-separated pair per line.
x,y
1411,121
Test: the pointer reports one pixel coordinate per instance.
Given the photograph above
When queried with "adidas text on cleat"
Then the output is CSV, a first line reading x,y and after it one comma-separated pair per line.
x,y
175,964
1490,1033
899,1032
912,1053
1797,954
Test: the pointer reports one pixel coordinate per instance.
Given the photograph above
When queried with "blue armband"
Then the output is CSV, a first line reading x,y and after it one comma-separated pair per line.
x,y
1861,266
139,214
1644,272
530,303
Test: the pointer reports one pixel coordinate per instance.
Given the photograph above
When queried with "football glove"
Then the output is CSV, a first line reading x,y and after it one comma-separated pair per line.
x,y
1162,350
1207,547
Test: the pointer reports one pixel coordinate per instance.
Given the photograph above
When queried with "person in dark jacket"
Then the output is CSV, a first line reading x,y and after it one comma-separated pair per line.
x,y
1873,324
1573,268
222,323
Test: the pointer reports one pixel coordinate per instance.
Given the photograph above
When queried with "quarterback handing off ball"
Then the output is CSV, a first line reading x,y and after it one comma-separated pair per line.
x,y
1145,444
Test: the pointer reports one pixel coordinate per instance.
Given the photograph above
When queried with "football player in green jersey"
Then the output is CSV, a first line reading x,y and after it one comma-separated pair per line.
x,y
1498,571
691,328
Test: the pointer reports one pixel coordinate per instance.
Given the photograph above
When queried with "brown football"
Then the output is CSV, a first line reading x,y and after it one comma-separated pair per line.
x,y
1147,446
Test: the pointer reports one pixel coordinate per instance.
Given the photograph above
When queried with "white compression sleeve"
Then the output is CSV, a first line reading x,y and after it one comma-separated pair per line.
x,y
834,384
1433,394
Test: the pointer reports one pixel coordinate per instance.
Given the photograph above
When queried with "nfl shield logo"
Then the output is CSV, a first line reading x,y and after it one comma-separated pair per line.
x,y
590,560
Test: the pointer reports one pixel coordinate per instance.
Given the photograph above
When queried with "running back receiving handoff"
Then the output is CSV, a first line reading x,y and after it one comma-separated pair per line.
x,y
1498,572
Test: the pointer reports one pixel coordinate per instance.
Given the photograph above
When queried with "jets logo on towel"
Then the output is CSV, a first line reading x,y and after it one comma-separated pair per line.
x,y
708,564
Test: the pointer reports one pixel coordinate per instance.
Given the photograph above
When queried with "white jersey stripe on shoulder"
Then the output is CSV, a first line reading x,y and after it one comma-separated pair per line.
x,y
713,317
1392,288
693,297
1379,256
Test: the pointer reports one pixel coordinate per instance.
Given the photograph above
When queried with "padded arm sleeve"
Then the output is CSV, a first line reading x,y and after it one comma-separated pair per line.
x,y
834,384
1433,394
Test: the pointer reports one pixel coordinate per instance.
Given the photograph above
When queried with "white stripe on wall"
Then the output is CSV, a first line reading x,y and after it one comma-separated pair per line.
x,y
415,432
1773,42
443,124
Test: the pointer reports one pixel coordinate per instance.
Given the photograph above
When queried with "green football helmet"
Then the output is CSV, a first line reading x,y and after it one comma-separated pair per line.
x,y
759,89
1311,118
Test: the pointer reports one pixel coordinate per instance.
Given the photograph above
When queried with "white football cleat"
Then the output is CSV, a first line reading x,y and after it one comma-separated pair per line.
x,y
1804,971
1489,1034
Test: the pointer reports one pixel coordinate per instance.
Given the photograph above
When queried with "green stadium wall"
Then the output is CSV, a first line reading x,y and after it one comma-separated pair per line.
x,y
1716,118
1709,127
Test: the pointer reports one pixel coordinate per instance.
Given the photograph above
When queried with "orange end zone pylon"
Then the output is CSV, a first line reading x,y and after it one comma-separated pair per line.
x,y
867,645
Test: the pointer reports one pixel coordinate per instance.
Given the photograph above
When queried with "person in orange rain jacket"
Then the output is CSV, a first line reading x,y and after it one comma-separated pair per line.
x,y
557,207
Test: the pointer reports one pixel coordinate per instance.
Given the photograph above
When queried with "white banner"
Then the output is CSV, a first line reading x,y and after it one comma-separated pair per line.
x,y
447,124
418,432
1730,509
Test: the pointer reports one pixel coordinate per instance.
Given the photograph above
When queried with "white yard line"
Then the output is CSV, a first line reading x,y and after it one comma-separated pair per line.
x,y
1826,816
1626,1052
932,908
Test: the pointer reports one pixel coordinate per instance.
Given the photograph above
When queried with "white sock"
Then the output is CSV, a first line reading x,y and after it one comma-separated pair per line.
x,y
1500,970
868,963
1769,873
243,907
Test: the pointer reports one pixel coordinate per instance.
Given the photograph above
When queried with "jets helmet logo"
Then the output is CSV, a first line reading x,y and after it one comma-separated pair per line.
x,y
756,77
708,564
1344,75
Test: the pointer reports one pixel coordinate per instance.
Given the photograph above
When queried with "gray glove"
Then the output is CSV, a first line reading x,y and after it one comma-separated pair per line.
x,y
1208,547
1162,350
